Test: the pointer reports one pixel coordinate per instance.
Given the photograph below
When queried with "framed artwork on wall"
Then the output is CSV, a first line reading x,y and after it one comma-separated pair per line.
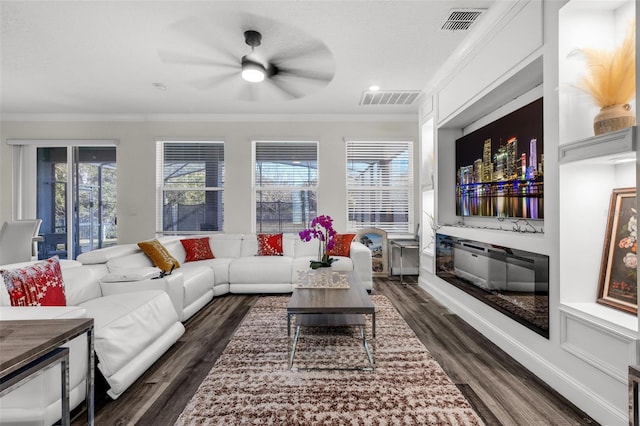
x,y
376,240
618,286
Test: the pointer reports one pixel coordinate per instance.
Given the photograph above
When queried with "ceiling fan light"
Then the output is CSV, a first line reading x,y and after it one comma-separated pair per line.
x,y
252,72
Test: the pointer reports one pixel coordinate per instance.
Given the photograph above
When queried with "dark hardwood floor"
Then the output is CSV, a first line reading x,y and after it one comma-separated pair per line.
x,y
501,390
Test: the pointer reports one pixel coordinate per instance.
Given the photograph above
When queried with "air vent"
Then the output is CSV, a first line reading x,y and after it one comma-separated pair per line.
x,y
461,19
389,97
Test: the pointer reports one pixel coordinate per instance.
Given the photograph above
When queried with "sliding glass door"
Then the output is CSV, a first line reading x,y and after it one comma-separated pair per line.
x,y
76,199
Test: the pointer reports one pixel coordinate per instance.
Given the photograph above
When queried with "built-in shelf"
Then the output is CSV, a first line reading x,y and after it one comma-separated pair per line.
x,y
605,147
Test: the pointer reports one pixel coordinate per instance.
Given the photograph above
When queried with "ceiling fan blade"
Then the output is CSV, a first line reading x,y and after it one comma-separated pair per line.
x,y
312,48
214,80
319,76
184,59
200,30
289,91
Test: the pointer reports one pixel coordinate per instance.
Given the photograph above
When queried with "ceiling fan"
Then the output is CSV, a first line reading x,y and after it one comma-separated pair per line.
x,y
285,69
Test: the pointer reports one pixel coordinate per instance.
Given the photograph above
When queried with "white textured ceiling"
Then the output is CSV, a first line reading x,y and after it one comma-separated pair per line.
x,y
102,57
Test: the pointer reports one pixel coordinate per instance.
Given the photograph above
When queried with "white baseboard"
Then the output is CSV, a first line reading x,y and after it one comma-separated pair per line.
x,y
584,398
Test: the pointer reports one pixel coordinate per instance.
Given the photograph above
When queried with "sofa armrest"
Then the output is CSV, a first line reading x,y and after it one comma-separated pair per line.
x,y
361,257
172,284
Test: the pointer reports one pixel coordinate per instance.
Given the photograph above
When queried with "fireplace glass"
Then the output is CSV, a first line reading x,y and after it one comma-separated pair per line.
x,y
515,282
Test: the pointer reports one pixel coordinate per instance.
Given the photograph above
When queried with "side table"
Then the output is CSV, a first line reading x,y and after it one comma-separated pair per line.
x,y
402,245
28,347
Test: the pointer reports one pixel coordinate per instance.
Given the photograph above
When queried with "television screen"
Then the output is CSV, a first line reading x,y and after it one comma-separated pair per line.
x,y
499,167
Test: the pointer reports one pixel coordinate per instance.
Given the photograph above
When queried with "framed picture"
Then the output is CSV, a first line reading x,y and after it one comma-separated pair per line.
x,y
618,285
376,240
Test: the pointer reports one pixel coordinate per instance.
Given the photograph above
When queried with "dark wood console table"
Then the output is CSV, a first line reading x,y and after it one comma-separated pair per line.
x,y
28,347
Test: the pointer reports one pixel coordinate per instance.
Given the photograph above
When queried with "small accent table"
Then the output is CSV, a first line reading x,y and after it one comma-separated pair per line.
x,y
402,245
28,347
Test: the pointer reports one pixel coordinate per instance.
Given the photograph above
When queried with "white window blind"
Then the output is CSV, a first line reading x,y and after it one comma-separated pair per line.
x,y
285,185
380,185
190,180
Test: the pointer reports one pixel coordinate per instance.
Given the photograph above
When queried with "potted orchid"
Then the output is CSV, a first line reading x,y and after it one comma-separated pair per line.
x,y
321,228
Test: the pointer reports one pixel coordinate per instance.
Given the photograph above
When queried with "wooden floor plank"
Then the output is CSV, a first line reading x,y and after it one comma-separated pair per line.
x,y
501,390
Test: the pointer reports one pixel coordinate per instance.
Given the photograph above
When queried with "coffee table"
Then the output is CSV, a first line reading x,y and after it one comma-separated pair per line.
x,y
332,307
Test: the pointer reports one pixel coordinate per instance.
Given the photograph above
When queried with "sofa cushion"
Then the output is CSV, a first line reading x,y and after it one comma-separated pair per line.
x,y
249,245
226,245
269,244
197,249
127,323
105,254
260,269
342,245
137,260
306,248
196,282
133,274
82,284
288,244
159,255
39,284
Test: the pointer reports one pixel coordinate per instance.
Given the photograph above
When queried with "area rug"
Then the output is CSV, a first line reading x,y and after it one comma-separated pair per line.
x,y
251,383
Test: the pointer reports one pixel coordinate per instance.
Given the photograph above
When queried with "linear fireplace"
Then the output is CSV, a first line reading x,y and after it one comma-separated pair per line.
x,y
515,282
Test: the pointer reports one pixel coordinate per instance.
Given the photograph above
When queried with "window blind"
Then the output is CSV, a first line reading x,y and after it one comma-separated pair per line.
x,y
285,185
380,185
190,181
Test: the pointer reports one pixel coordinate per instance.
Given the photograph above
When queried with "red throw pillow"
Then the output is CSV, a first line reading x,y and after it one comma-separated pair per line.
x,y
269,244
39,284
197,249
342,246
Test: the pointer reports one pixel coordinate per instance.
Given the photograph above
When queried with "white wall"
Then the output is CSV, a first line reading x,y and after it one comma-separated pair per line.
x,y
591,387
136,161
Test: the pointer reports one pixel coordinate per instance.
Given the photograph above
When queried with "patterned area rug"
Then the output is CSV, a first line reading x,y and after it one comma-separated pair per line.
x,y
251,383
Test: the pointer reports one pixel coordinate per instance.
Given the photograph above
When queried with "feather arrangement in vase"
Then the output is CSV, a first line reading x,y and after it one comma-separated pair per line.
x,y
611,81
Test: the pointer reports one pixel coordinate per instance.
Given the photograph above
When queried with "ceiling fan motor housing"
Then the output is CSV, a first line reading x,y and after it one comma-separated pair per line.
x,y
252,38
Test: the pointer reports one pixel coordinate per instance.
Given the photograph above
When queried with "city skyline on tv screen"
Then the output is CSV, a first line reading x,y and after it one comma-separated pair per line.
x,y
500,167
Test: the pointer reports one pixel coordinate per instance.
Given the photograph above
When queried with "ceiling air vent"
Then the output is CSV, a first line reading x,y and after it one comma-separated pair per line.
x,y
389,97
461,19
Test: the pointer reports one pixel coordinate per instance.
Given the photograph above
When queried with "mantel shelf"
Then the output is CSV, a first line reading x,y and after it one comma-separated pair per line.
x,y
605,145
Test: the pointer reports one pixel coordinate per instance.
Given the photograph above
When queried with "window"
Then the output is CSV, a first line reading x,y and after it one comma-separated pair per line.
x,y
380,185
190,179
285,185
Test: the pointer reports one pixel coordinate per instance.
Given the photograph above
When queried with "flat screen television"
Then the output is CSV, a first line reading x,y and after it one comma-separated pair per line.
x,y
500,167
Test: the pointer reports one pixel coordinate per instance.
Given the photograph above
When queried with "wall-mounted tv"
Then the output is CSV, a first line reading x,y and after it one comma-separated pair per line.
x,y
500,167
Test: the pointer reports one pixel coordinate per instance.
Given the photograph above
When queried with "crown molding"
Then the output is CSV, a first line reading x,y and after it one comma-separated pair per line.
x,y
44,117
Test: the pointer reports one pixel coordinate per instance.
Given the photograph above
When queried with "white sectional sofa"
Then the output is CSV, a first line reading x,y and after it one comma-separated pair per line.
x,y
137,318
236,268
131,331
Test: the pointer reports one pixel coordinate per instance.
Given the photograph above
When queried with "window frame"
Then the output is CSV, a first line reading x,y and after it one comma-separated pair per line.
x,y
408,188
255,188
160,185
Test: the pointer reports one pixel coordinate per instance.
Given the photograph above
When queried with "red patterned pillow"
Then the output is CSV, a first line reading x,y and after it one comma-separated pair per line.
x,y
197,249
39,284
342,246
269,244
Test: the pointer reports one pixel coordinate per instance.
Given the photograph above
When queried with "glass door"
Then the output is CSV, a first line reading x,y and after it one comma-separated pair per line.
x,y
86,220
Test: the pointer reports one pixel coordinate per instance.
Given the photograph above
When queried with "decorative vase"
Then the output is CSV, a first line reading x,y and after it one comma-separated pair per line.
x,y
612,118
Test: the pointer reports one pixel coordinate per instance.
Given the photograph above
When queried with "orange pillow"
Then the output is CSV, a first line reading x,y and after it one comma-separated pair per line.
x,y
342,246
197,249
270,245
159,255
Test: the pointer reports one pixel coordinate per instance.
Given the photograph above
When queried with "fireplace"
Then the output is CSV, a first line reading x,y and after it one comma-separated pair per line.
x,y
514,282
